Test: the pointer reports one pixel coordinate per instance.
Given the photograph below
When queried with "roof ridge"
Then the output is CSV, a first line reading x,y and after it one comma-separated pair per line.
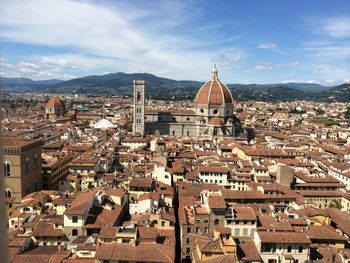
x,y
158,248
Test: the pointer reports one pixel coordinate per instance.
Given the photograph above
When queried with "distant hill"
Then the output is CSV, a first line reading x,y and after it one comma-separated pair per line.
x,y
163,88
25,84
269,93
306,87
121,84
339,93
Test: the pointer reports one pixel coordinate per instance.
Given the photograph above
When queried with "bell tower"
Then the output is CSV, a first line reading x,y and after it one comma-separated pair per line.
x,y
139,107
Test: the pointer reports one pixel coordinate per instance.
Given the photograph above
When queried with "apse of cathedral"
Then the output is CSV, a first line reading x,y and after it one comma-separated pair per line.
x,y
213,113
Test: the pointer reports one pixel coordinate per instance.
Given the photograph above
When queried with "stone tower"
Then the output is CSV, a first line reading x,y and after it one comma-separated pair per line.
x,y
139,107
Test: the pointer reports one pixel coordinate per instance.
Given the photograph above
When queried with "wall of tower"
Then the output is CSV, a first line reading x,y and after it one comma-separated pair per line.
x,y
139,106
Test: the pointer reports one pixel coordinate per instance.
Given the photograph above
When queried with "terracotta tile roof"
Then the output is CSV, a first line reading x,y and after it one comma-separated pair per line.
x,y
17,143
213,92
81,203
144,251
115,192
323,232
246,250
108,232
141,182
45,228
217,202
55,102
283,237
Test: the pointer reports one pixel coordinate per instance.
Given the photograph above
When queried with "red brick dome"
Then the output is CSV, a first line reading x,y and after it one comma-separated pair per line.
x,y
214,92
55,102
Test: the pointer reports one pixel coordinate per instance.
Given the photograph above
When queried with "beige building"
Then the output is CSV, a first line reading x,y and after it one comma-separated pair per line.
x,y
55,168
21,167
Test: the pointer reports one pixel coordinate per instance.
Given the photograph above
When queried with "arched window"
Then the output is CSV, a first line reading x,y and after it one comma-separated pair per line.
x,y
74,232
27,165
8,193
138,97
216,221
35,161
7,169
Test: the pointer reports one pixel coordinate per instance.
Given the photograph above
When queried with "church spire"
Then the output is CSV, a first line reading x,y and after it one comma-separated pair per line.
x,y
214,73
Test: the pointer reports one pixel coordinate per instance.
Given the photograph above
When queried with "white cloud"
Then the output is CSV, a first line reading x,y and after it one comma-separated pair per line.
x,y
156,38
267,46
262,67
329,52
270,66
227,57
337,27
292,80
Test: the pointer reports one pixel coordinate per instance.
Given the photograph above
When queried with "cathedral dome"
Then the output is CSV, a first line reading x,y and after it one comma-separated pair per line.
x,y
214,92
55,102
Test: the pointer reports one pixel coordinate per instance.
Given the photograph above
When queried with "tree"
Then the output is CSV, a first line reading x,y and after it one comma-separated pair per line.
x,y
347,113
336,204
320,111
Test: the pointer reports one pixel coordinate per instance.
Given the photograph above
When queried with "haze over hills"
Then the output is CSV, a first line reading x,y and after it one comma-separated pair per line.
x,y
121,84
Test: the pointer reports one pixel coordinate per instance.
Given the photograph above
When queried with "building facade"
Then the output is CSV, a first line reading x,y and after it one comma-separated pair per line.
x,y
21,167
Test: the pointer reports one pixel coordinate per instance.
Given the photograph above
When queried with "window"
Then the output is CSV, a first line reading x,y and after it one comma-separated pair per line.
x,y
245,231
215,111
236,231
7,169
173,132
138,97
252,232
26,209
35,161
74,219
216,221
289,249
27,165
8,193
300,249
74,232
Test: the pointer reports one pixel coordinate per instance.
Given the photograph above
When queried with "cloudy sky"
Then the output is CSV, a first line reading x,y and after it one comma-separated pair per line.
x,y
251,41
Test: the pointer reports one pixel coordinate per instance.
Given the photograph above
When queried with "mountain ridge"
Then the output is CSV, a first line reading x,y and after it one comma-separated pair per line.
x,y
120,83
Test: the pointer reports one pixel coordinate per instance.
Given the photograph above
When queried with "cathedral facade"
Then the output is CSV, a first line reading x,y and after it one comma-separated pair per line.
x,y
213,114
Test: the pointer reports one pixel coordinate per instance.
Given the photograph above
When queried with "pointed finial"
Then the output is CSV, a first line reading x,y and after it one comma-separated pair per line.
x,y
214,73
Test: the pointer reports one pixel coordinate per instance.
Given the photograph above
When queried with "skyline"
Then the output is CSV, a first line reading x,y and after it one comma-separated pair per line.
x,y
250,41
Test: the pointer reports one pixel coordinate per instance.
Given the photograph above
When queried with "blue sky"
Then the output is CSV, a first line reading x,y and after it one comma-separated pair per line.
x,y
256,41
